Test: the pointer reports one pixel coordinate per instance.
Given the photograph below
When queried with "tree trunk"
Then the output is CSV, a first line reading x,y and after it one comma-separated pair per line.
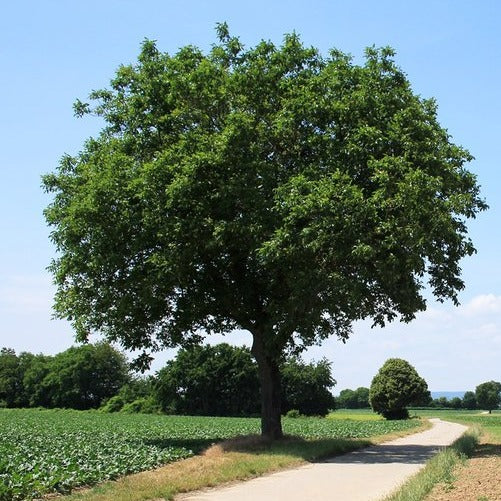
x,y
269,378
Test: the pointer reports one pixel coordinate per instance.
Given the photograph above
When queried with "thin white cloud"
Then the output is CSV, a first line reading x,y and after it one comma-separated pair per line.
x,y
433,314
481,305
452,348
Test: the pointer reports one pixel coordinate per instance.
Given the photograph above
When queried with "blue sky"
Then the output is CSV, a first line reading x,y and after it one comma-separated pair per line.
x,y
53,52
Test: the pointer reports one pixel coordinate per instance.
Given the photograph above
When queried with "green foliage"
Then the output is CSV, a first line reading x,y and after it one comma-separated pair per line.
x,y
270,189
80,377
114,404
210,381
13,371
35,388
353,399
488,395
222,380
469,400
9,378
136,389
395,386
56,450
293,414
306,387
145,405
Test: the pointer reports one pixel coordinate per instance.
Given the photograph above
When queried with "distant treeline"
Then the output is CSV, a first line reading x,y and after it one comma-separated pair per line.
x,y
469,401
79,378
353,399
359,399
217,380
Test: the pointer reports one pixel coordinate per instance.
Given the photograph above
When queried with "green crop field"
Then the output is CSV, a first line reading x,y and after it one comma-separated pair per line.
x,y
43,451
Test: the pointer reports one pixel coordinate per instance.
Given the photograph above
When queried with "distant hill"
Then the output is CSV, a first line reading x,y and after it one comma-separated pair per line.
x,y
447,394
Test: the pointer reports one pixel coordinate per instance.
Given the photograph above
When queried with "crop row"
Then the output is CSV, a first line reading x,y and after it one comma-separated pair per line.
x,y
45,451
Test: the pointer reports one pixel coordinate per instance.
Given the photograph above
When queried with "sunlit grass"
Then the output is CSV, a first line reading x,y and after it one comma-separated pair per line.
x,y
438,469
233,460
355,415
441,468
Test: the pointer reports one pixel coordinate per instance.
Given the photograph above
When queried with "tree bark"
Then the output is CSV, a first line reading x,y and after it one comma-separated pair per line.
x,y
269,377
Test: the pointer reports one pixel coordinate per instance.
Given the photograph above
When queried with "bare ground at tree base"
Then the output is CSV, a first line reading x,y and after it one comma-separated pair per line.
x,y
479,479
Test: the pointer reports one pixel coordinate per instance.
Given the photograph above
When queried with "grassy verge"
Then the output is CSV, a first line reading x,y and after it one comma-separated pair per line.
x,y
222,463
439,469
477,478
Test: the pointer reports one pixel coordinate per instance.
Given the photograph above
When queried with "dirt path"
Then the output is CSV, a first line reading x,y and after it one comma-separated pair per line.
x,y
364,475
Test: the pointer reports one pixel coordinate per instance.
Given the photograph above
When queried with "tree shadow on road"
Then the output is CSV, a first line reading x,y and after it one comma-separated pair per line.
x,y
308,450
313,450
384,454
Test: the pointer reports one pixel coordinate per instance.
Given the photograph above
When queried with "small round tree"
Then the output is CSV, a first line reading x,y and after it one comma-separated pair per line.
x,y
395,386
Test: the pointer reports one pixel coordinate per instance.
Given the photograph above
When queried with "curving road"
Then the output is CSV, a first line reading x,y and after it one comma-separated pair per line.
x,y
364,475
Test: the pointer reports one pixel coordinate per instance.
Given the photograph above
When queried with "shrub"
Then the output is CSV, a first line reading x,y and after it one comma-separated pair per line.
x,y
114,404
145,405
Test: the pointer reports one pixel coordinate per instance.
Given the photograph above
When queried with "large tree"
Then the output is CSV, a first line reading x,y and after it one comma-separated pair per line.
x,y
270,189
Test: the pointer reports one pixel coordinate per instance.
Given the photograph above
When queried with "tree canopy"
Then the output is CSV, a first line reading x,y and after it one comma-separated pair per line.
x,y
469,400
488,395
307,387
353,399
222,380
10,391
397,385
270,189
81,377
217,380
